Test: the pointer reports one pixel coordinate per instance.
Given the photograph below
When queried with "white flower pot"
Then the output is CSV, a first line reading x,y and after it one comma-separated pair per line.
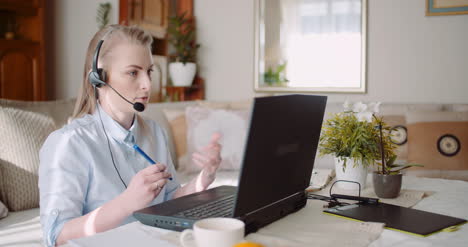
x,y
352,172
182,74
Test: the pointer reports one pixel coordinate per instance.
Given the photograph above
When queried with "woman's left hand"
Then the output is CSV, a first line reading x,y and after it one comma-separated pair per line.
x,y
209,157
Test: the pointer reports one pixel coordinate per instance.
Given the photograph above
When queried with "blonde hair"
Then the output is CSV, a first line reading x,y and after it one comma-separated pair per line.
x,y
86,101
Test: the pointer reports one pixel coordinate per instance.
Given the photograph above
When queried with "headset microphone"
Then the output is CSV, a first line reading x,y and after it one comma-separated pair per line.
x,y
97,78
137,106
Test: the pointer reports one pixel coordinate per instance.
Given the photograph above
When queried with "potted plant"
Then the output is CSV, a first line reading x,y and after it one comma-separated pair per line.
x,y
181,32
276,76
354,140
388,177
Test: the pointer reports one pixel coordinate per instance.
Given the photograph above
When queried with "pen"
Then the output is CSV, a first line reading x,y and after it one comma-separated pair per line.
x,y
138,149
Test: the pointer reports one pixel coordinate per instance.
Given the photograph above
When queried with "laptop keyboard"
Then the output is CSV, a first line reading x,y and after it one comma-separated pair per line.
x,y
219,208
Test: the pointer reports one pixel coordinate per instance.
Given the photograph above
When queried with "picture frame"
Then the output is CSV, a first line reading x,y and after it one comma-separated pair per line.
x,y
302,60
446,7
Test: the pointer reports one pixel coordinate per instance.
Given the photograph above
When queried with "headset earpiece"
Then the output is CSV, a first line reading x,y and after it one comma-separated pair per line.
x,y
97,76
95,79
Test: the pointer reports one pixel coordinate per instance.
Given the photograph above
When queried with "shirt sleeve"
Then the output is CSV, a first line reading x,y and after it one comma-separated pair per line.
x,y
172,185
63,182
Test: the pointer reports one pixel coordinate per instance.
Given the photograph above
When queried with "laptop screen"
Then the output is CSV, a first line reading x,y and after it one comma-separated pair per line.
x,y
280,151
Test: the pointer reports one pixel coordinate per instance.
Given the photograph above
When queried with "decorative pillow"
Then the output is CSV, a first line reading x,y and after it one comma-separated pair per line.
x,y
23,134
234,105
439,141
178,125
59,110
459,107
3,210
202,122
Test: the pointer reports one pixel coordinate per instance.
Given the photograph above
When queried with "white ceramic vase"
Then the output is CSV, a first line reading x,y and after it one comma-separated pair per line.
x,y
352,172
182,74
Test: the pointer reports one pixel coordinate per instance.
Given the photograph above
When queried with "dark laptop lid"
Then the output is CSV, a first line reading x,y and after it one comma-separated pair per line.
x,y
280,150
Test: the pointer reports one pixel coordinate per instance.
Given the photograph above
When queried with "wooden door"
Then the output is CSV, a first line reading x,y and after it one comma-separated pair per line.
x,y
20,76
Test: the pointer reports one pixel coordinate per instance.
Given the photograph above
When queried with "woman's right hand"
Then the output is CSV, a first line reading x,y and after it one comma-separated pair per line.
x,y
145,186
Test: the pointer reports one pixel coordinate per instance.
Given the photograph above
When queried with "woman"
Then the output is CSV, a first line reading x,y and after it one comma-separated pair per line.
x,y
91,178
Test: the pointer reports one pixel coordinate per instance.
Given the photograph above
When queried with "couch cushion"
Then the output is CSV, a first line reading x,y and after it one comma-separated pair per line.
x,y
178,125
21,229
58,110
155,112
3,210
223,177
23,133
457,107
202,122
439,141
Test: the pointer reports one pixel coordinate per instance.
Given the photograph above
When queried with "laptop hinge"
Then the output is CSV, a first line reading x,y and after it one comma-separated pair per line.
x,y
265,215
273,203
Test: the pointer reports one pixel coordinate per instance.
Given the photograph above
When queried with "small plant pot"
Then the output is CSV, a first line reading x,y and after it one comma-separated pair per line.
x,y
182,74
387,186
354,172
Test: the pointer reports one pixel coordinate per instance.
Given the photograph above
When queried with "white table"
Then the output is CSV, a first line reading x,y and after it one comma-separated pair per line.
x,y
450,198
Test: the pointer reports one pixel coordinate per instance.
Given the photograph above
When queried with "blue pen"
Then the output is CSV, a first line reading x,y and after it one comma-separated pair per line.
x,y
138,149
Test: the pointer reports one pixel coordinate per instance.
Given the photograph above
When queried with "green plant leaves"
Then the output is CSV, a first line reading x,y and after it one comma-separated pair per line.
x,y
102,17
181,32
275,76
343,135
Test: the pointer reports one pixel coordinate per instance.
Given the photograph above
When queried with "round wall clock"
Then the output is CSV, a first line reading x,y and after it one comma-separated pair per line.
x,y
448,145
399,134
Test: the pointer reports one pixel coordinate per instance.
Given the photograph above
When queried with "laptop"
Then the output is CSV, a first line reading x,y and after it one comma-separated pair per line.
x,y
277,166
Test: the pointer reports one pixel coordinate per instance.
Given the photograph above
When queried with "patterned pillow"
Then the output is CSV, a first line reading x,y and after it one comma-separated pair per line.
x,y
23,134
439,141
3,210
178,125
202,122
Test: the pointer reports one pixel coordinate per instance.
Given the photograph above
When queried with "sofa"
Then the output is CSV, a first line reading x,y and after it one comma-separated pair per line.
x,y
25,125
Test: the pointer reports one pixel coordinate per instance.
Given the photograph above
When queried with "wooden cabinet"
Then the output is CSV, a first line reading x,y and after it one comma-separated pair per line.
x,y
20,70
153,15
22,56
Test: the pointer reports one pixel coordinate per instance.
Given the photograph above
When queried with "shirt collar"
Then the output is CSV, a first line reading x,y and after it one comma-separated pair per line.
x,y
115,130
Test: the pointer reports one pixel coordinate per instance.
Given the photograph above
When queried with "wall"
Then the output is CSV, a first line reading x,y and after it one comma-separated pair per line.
x,y
411,57
73,28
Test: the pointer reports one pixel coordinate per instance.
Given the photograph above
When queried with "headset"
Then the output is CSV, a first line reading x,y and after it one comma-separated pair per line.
x,y
97,77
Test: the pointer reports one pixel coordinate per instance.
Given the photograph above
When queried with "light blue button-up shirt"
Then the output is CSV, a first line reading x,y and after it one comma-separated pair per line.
x,y
76,173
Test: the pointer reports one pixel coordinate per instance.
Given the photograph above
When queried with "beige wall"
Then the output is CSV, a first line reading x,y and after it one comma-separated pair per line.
x,y
74,26
411,57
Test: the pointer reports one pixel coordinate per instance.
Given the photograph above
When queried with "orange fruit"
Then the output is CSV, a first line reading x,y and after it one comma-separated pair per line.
x,y
248,244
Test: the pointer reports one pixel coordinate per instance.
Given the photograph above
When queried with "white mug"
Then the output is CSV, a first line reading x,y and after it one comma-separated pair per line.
x,y
215,232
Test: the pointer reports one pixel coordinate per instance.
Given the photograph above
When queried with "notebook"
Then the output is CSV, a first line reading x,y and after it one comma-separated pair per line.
x,y
277,165
403,219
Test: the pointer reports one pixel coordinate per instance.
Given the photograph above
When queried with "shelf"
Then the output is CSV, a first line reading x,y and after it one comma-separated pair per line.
x,y
194,92
24,8
17,42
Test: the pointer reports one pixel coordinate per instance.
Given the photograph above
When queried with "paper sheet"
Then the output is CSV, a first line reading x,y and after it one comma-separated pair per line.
x,y
124,236
321,178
